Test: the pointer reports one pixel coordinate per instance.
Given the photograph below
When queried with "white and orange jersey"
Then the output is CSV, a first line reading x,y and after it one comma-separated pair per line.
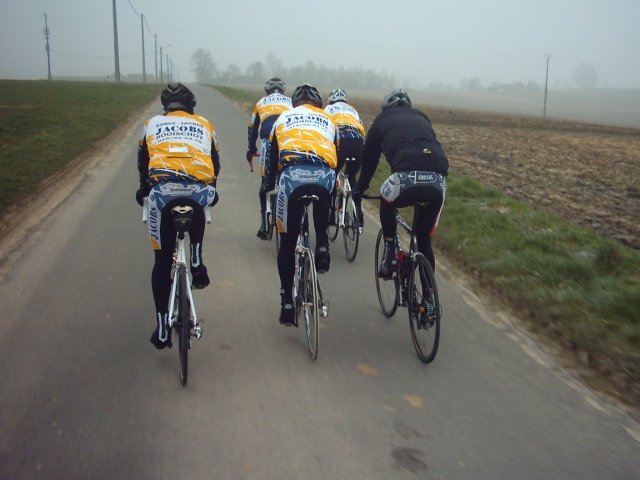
x,y
305,135
268,106
347,120
182,146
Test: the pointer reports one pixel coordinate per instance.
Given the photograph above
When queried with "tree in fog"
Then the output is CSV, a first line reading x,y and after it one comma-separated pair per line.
x,y
257,71
202,66
585,76
275,66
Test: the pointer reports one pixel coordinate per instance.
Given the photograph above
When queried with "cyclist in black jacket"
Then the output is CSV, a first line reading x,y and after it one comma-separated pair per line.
x,y
418,167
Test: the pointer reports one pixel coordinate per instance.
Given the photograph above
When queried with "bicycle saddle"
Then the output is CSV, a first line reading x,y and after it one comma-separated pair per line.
x,y
182,217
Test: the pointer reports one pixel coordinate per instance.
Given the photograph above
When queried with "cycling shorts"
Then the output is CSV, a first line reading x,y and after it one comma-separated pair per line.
x,y
401,181
296,176
162,193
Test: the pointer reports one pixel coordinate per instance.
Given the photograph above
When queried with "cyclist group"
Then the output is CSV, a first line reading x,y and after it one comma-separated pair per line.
x,y
302,147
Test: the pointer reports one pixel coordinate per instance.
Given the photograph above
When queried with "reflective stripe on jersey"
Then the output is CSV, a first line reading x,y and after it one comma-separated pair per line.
x,y
306,134
273,104
347,120
180,147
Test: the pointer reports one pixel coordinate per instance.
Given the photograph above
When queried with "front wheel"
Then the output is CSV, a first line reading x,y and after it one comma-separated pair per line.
x,y
388,289
424,309
308,306
183,323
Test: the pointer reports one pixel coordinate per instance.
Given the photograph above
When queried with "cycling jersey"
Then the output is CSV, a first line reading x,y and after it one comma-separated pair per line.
x,y
347,120
303,135
178,146
264,115
408,141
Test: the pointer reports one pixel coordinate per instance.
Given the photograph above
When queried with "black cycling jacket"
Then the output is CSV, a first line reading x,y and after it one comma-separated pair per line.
x,y
408,141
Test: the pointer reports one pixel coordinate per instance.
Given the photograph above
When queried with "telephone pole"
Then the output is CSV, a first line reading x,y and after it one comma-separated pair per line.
x,y
47,48
546,82
144,70
115,43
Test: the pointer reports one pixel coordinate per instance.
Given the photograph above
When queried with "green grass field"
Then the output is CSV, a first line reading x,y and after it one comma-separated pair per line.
x,y
44,125
578,290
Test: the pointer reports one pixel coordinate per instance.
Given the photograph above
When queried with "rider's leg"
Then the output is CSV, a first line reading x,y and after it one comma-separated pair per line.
x,y
262,194
389,228
161,283
321,209
286,261
199,273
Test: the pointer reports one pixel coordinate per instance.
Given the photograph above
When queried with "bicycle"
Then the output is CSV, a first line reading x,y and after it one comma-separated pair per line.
x,y
346,216
270,217
182,317
412,285
307,293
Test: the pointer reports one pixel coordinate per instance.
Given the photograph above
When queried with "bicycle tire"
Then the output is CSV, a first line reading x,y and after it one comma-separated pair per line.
x,y
271,218
183,323
388,290
332,230
351,230
424,309
308,307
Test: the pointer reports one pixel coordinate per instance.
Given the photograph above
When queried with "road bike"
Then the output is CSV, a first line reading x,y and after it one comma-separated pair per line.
x,y
307,294
182,318
270,217
412,285
346,218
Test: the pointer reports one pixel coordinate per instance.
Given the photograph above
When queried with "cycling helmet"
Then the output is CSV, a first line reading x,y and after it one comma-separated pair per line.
x,y
306,94
274,84
176,96
337,95
395,99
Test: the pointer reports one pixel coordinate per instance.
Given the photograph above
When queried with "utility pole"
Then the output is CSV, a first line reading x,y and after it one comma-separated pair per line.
x,y
168,74
144,69
47,48
546,82
161,79
115,43
155,56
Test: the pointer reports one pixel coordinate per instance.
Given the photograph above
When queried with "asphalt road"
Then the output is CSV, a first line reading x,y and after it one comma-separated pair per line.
x,y
84,395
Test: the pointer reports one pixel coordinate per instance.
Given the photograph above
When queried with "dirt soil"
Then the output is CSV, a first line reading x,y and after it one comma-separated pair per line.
x,y
586,174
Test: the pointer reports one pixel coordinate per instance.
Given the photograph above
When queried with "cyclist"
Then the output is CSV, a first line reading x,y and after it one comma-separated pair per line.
x,y
351,133
178,162
418,167
262,119
303,148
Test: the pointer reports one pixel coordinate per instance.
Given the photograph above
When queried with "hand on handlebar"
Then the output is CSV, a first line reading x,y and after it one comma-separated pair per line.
x,y
250,156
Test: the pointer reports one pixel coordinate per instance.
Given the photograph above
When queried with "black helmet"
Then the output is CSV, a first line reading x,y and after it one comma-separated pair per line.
x,y
274,84
337,95
395,99
176,96
306,94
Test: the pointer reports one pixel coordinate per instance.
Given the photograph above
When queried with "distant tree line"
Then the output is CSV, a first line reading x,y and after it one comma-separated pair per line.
x,y
206,70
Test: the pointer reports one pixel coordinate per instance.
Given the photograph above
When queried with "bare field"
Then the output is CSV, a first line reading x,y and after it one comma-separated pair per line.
x,y
586,174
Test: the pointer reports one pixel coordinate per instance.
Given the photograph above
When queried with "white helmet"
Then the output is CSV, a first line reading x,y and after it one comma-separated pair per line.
x,y
337,95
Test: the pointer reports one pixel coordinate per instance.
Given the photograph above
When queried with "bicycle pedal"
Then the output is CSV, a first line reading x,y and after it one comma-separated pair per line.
x,y
197,330
324,309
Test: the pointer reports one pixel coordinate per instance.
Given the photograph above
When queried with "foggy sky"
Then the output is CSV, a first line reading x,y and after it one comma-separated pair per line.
x,y
420,40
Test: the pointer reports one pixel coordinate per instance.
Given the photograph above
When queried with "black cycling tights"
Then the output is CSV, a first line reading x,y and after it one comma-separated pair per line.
x,y
286,255
160,276
426,219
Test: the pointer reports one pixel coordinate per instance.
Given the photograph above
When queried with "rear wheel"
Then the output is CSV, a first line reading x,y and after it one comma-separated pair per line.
x,y
387,289
351,230
424,310
308,308
332,230
183,323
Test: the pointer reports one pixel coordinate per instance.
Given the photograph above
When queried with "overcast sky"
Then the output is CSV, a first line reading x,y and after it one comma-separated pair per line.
x,y
423,40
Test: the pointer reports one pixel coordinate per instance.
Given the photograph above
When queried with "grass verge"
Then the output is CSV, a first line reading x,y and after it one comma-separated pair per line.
x,y
46,124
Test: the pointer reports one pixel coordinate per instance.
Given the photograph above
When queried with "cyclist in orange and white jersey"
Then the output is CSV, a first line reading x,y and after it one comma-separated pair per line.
x,y
352,134
302,150
178,161
264,115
